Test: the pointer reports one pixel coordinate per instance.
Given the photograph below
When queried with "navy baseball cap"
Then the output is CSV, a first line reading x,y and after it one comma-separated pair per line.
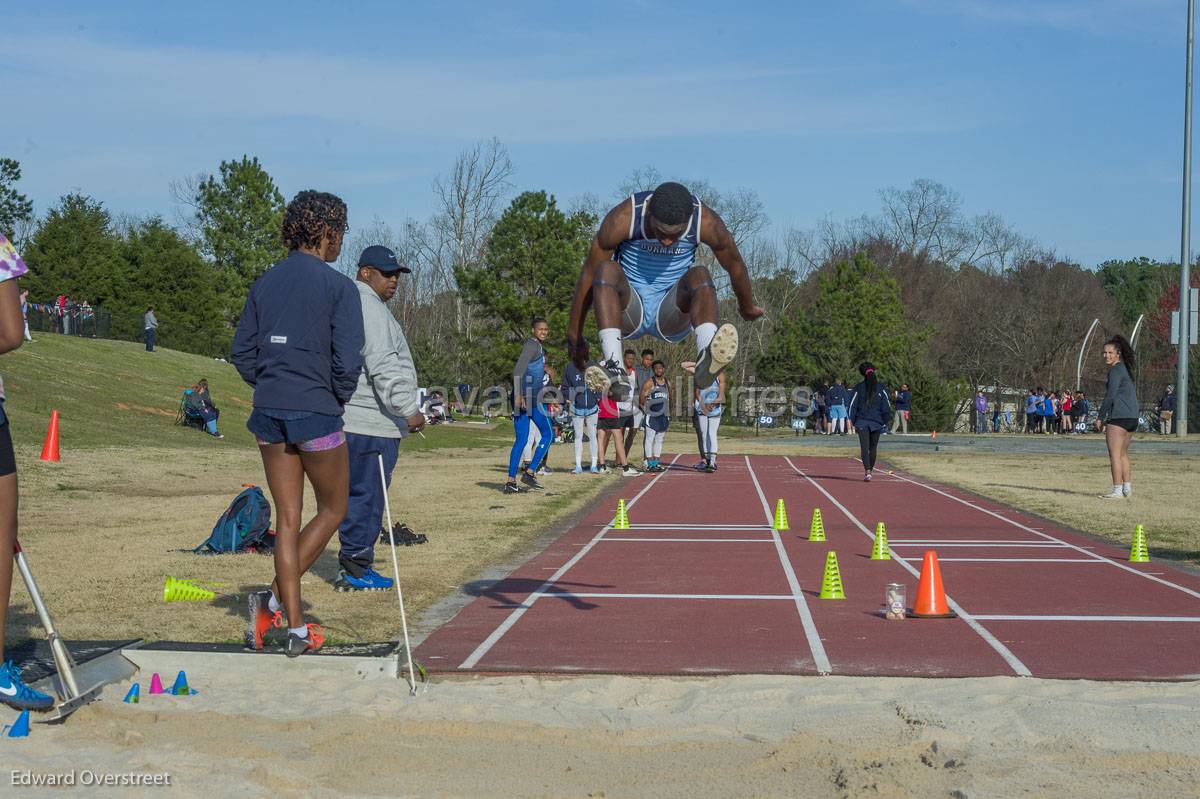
x,y
379,257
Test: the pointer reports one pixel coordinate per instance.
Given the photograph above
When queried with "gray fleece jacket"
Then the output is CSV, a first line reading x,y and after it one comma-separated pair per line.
x,y
387,388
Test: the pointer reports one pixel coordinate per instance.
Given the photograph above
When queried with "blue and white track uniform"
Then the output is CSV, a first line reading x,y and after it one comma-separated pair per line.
x,y
652,269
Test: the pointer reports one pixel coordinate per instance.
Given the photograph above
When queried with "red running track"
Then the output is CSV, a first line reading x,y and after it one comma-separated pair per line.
x,y
701,584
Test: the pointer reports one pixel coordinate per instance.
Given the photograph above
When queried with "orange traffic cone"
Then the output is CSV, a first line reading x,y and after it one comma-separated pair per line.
x,y
931,596
50,448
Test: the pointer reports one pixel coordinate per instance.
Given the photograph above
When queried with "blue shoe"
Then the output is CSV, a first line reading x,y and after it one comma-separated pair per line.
x,y
594,470
371,580
17,694
577,470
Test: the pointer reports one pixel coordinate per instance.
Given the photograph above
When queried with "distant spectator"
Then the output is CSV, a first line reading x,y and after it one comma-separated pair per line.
x,y
835,401
901,411
198,405
1166,410
25,313
1046,411
1119,415
150,328
868,412
1030,411
981,406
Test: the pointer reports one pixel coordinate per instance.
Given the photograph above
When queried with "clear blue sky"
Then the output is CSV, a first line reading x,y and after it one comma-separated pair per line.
x,y
1063,116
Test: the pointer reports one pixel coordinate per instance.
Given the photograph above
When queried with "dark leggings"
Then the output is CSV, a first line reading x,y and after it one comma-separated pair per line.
x,y
868,444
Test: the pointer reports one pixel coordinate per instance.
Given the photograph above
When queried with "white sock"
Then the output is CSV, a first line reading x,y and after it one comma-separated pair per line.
x,y
1126,487
1117,489
704,336
301,631
273,604
610,344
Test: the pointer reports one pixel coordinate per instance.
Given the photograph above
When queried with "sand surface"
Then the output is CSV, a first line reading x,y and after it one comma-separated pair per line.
x,y
312,732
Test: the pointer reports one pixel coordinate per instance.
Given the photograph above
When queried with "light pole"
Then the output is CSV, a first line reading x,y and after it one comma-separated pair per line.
x,y
1181,387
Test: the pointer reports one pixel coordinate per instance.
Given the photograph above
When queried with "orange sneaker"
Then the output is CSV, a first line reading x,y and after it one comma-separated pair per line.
x,y
297,646
261,618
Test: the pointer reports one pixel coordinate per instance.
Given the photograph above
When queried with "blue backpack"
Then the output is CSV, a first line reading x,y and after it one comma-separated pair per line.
x,y
245,526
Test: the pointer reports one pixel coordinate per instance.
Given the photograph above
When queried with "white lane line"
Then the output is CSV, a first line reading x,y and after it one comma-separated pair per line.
x,y
1049,537
601,595
696,540
908,542
507,624
685,527
810,628
1093,561
1012,660
1003,617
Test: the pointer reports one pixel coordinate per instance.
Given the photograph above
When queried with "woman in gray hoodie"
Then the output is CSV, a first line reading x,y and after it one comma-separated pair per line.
x,y
1119,414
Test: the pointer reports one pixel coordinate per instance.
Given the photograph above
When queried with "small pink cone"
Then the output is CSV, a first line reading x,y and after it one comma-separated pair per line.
x,y
156,684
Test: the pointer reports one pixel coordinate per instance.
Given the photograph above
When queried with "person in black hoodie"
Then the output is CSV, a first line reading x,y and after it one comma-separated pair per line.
x,y
299,343
869,411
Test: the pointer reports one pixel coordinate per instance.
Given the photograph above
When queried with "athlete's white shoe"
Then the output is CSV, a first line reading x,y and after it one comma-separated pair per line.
x,y
599,378
720,353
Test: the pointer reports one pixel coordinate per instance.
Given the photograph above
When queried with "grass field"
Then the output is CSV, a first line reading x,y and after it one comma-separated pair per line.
x,y
105,526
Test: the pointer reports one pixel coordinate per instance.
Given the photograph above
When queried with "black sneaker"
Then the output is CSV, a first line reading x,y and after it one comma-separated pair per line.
x,y
403,535
719,353
602,377
513,488
529,479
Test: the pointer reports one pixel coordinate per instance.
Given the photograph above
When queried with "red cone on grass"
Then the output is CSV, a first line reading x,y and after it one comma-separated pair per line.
x,y
50,448
931,595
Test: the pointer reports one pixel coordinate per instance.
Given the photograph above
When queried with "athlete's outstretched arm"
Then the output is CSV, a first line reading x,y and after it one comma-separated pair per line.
x,y
612,232
714,233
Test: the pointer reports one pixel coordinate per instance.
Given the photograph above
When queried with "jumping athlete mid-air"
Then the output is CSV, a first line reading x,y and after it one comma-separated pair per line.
x,y
642,278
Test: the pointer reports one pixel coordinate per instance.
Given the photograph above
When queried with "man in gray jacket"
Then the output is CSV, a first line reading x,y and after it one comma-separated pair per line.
x,y
382,410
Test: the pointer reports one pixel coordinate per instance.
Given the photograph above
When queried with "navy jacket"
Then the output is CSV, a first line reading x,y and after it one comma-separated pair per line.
x,y
903,398
300,338
867,412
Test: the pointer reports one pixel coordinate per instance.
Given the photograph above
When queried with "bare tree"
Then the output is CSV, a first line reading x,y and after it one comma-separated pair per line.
x,y
184,192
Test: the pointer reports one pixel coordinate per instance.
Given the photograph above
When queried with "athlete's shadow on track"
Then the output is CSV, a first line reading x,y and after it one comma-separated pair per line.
x,y
512,591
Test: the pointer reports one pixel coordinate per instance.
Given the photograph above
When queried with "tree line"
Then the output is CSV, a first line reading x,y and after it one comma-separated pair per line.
x,y
940,300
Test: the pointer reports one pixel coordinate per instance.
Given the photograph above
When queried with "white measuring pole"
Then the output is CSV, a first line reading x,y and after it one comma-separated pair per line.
x,y
387,506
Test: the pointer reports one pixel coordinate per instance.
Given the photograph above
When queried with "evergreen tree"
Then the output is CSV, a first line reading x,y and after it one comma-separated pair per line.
x,y
14,206
240,215
531,265
75,252
166,272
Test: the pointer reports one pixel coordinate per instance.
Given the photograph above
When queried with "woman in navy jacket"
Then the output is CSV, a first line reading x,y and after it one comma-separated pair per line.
x,y
869,412
299,343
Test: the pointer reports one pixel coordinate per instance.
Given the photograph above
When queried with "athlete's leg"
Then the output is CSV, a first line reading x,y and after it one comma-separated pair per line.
x,y
714,422
542,422
692,303
521,430
531,442
285,481
648,444
593,444
615,303
578,423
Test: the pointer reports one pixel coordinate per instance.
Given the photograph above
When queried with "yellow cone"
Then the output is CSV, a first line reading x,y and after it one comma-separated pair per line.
x,y
1138,551
621,522
184,591
816,531
780,516
879,551
831,581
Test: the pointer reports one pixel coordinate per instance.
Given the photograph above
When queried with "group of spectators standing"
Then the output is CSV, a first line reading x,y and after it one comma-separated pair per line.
x,y
831,409
64,315
638,400
1046,412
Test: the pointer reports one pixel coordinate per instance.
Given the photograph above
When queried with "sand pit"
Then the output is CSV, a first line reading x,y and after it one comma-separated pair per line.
x,y
311,732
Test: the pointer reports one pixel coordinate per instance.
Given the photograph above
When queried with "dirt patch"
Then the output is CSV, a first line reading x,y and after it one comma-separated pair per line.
x,y
125,406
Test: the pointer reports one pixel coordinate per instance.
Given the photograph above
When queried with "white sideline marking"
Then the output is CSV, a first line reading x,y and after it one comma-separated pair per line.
x,y
1049,537
507,624
1009,560
1012,660
573,595
698,540
806,619
1002,617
